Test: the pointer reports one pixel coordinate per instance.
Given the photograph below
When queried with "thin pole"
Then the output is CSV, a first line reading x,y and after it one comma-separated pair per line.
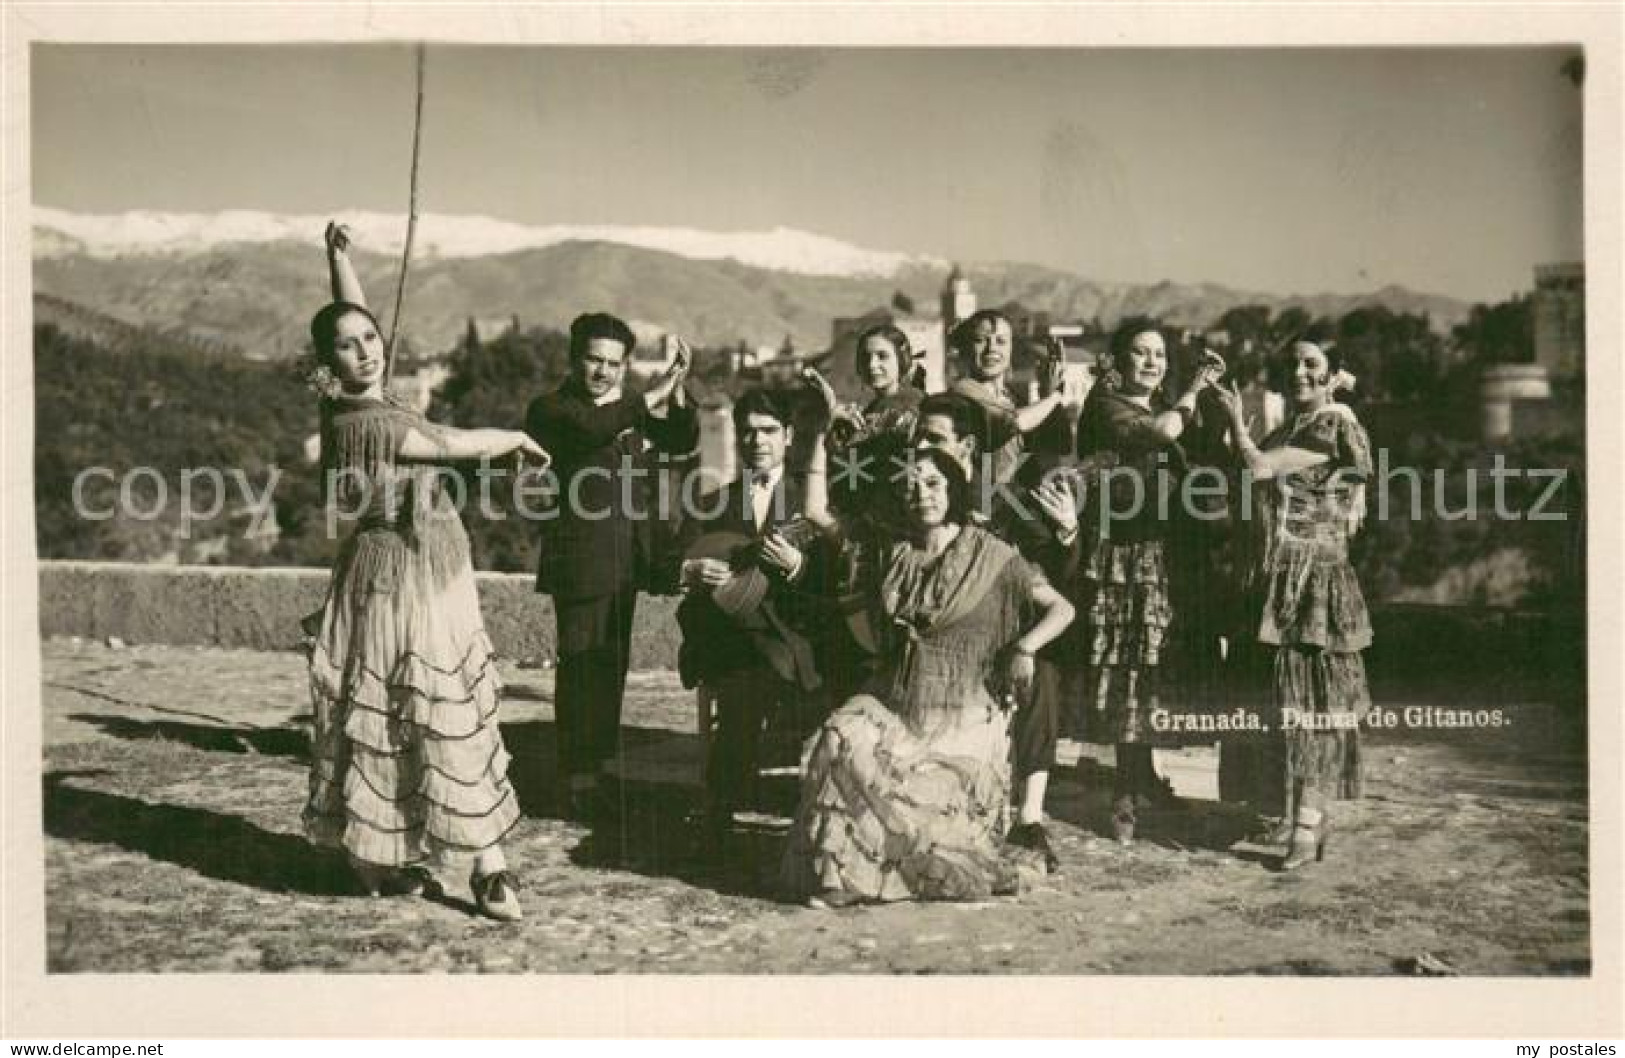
x,y
411,221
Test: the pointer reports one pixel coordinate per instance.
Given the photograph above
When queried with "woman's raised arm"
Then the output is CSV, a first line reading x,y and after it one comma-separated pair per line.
x,y
815,496
1277,462
341,273
446,444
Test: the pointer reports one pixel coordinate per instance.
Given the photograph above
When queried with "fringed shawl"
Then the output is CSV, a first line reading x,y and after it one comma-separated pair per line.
x,y
404,515
360,440
944,659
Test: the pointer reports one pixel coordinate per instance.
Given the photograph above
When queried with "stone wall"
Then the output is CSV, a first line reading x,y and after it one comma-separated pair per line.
x,y
260,609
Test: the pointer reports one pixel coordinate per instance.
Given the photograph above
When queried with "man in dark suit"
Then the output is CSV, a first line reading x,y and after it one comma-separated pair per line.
x,y
743,624
595,554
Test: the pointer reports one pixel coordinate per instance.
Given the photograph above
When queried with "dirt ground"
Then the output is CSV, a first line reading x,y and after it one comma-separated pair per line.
x,y
173,780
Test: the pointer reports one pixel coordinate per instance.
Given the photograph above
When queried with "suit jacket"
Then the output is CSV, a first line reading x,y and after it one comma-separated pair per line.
x,y
595,547
712,642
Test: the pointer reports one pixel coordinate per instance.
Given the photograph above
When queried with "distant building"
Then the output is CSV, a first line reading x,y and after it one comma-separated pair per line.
x,y
1560,318
648,359
775,366
1507,393
1518,400
1029,323
958,300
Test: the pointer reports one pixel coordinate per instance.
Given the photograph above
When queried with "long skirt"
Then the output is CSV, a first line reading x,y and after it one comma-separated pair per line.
x,y
1126,624
1317,701
889,815
407,759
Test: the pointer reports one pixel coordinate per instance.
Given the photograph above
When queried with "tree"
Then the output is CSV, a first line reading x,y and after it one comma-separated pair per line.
x,y
493,384
1396,356
1246,323
1503,333
146,400
1290,326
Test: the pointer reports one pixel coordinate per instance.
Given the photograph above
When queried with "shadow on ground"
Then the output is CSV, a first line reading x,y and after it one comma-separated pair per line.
x,y
649,821
292,742
1082,795
213,844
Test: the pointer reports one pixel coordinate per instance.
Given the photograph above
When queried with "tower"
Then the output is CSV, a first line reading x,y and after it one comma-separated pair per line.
x,y
1560,318
958,301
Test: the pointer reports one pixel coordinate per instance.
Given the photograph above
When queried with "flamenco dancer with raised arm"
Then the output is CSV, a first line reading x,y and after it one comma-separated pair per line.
x,y
408,766
1312,623
985,345
1130,429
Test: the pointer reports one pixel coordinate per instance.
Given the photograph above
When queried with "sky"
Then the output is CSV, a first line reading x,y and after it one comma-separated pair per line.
x,y
1282,171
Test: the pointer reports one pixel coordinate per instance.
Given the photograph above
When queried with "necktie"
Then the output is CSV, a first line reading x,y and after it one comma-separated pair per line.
x,y
761,501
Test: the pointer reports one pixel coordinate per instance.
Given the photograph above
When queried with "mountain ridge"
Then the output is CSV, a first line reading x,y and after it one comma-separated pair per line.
x,y
257,295
449,236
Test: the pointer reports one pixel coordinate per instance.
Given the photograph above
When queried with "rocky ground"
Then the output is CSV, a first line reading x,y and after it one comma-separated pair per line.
x,y
173,779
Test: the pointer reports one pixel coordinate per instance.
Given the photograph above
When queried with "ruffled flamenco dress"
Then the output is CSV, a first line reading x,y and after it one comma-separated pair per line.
x,y
408,763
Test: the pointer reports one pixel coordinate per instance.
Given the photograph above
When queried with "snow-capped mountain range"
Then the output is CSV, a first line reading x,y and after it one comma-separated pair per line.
x,y
247,280
61,233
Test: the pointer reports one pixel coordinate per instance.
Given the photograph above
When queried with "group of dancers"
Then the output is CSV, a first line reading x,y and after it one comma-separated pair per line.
x,y
858,584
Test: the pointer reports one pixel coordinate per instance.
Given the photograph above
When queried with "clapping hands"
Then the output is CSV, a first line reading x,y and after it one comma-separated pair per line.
x,y
681,356
1210,368
1229,398
1058,502
668,387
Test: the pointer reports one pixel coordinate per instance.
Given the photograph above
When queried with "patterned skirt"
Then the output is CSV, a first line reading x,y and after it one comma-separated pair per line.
x,y
1126,627
889,815
407,759
1321,700
1312,630
1314,704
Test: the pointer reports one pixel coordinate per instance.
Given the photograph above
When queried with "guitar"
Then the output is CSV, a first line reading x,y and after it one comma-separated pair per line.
x,y
743,597
743,552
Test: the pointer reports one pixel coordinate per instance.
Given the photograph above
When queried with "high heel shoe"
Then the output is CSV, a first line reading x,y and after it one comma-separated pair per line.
x,y
1308,844
497,895
1273,833
1123,820
834,899
410,881
1033,838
